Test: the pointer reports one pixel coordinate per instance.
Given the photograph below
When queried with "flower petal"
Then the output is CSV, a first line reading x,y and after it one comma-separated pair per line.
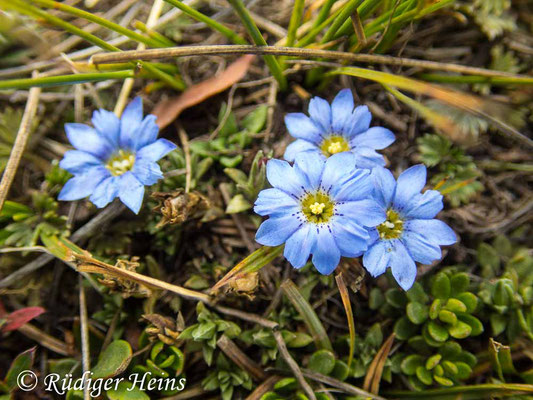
x,y
433,230
86,139
357,188
366,212
351,238
311,166
367,158
130,121
130,191
384,186
341,110
301,126
402,265
326,254
156,150
420,248
82,186
358,122
320,113
299,245
77,162
107,124
146,133
338,170
276,230
147,172
376,259
375,138
284,177
424,206
410,183
300,146
105,192
271,201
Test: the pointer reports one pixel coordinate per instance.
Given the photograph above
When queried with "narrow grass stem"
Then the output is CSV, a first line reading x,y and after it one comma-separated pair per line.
x,y
97,20
296,19
217,26
259,40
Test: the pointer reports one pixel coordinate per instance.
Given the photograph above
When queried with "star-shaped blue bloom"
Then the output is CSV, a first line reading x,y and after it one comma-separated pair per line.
x,y
337,128
410,232
116,158
319,207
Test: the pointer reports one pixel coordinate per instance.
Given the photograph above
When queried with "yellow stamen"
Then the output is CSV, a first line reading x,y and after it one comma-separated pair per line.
x,y
335,148
317,208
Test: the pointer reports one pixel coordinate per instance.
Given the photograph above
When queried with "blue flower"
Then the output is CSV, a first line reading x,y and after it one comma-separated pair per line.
x,y
410,232
337,128
318,207
116,158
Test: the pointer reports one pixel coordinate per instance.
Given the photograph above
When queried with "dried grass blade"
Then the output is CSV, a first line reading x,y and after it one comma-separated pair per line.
x,y
345,296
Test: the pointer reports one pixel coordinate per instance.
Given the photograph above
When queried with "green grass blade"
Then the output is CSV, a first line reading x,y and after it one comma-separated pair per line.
x,y
294,23
97,20
60,80
251,27
35,12
469,392
343,16
316,329
217,26
504,80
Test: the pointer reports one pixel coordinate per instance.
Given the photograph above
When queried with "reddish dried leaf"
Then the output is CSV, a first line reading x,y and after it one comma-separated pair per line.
x,y
168,110
18,318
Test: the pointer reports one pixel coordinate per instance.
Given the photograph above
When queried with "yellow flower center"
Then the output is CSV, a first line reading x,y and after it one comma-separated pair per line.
x,y
334,144
120,162
392,228
317,207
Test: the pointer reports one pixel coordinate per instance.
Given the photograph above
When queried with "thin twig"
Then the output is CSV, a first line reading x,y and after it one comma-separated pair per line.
x,y
345,387
84,328
284,352
264,388
187,51
45,340
185,144
23,135
240,358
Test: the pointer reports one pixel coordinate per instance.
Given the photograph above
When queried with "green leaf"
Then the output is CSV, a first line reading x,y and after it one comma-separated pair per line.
x,y
396,298
463,370
238,204
435,308
498,323
455,305
237,175
460,330
404,329
113,360
459,283
450,367
340,371
441,286
322,361
255,121
300,339
450,350
433,361
437,332
127,391
375,299
417,294
411,363
442,380
417,312
469,300
448,317
424,376
474,323
23,362
286,385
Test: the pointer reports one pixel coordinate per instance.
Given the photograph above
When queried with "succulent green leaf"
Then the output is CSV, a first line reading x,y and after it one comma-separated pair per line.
x,y
437,331
424,376
113,360
411,363
417,312
460,330
322,361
